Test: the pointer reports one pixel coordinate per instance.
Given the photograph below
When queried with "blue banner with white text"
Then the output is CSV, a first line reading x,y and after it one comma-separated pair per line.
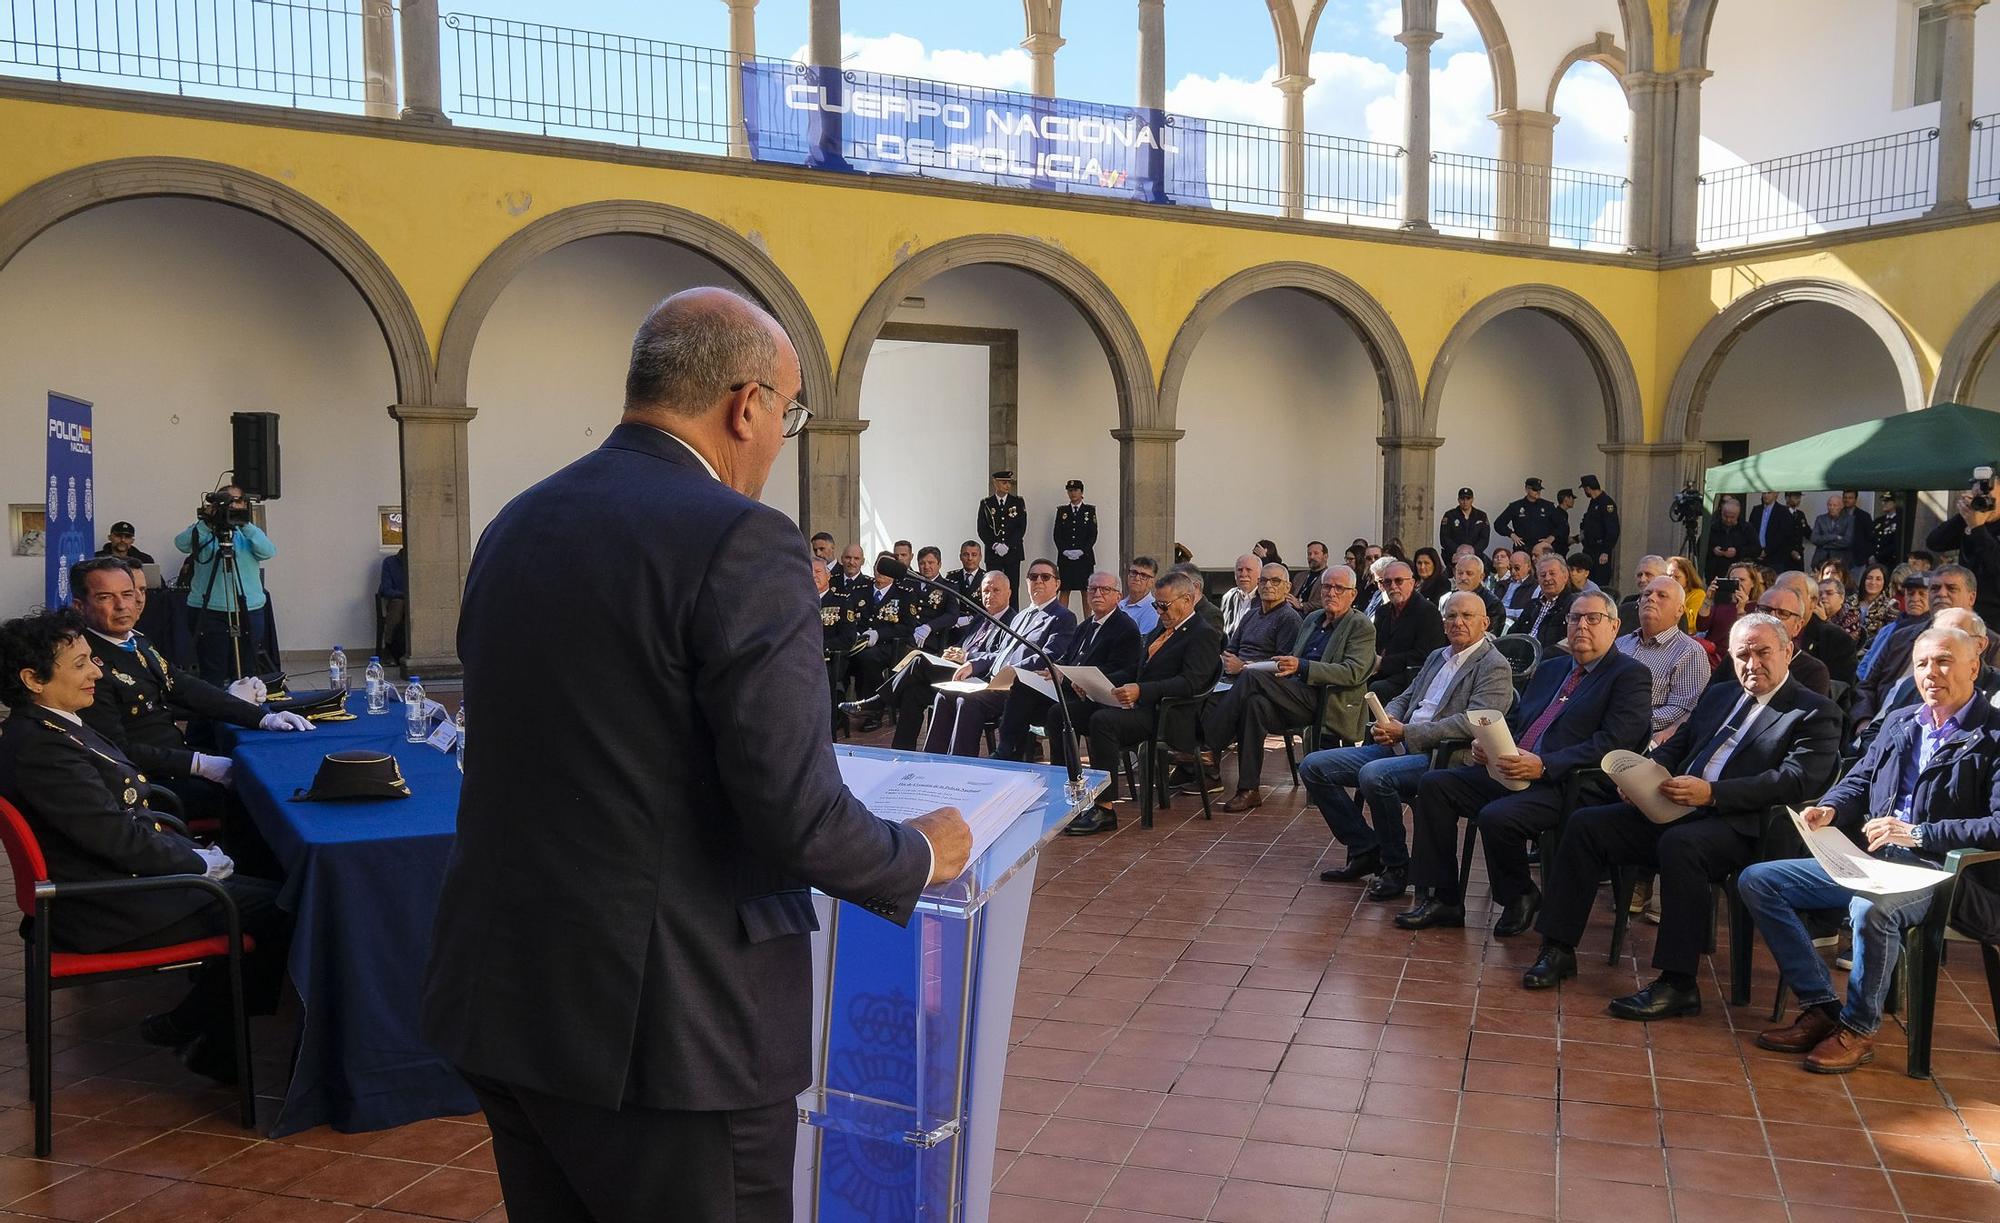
x,y
71,532
870,123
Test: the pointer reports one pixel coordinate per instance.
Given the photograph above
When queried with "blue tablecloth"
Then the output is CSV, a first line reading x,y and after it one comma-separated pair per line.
x,y
363,878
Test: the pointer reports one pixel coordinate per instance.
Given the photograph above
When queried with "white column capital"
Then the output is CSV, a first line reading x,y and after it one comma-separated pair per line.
x,y
1044,43
1419,39
1958,8
1518,117
1292,84
740,6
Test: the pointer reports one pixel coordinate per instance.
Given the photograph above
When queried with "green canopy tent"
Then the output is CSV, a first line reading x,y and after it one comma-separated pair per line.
x,y
1935,448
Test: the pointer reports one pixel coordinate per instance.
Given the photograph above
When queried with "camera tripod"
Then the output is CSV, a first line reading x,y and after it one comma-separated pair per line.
x,y
223,539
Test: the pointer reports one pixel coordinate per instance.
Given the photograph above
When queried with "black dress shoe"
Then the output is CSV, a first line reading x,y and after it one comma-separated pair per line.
x,y
1095,820
867,706
1657,1001
1389,885
1519,914
212,1059
1359,866
1550,969
1432,912
166,1031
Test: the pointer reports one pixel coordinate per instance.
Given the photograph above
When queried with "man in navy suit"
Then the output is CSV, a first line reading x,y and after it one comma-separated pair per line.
x,y
1107,639
958,719
1566,720
621,961
1748,751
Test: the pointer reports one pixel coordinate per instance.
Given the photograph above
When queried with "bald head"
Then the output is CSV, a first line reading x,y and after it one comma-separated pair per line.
x,y
1661,603
698,343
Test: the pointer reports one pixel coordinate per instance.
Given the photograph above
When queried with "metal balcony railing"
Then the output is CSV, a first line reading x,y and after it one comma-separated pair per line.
x,y
1518,202
1356,182
292,50
1848,184
1986,159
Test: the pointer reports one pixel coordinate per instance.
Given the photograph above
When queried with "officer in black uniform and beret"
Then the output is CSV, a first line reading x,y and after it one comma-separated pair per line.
x,y
1599,530
1529,520
1466,524
840,619
1076,540
1003,525
887,624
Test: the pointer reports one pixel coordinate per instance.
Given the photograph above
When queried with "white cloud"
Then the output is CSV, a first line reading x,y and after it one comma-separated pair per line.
x,y
902,55
1596,121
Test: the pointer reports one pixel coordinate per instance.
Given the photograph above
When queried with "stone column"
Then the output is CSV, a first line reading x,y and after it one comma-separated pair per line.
x,y
437,527
1292,169
1521,187
1683,188
1643,209
1146,493
742,49
1153,54
830,478
378,59
1954,154
1409,469
423,95
1041,49
1417,127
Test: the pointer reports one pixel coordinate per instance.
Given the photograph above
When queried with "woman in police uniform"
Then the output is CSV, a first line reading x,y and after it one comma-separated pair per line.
x,y
87,805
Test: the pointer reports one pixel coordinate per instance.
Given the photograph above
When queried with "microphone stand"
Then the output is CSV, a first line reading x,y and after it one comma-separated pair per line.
x,y
1075,788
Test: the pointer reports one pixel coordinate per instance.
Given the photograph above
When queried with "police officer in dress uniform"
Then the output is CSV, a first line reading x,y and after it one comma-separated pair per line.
x,y
1003,524
935,612
1801,531
971,570
1599,529
1463,525
1530,519
1076,540
839,619
887,624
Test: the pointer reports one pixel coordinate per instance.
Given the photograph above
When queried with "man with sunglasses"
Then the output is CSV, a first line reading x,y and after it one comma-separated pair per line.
x,y
958,719
1407,628
1106,639
1138,601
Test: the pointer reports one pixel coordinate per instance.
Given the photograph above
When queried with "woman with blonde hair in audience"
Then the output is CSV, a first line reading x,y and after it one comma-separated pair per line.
x,y
1720,612
1689,577
1875,599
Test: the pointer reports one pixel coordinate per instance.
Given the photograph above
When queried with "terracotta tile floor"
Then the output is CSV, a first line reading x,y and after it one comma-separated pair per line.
x,y
1203,1031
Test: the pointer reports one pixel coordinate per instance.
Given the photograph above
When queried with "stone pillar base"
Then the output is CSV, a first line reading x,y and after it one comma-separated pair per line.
x,y
1409,472
1146,493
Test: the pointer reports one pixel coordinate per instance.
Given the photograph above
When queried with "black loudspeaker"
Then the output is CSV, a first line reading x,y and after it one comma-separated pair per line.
x,y
255,435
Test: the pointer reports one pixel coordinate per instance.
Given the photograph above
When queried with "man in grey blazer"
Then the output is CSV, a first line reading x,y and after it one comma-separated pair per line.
x,y
1465,673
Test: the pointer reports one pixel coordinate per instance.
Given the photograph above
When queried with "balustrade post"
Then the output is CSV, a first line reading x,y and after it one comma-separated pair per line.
x,y
1954,152
1292,163
742,50
423,69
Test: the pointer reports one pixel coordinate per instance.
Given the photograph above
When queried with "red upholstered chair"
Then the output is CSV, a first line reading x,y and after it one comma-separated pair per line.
x,y
49,970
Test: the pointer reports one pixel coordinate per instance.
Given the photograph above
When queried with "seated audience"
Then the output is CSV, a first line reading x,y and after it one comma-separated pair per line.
x,y
1573,711
1138,600
1268,628
85,801
1929,784
839,617
1107,639
1676,661
1781,603
1875,597
1407,629
1328,659
958,719
850,572
1468,573
907,690
1240,598
1814,635
1648,568
1433,582
1183,656
888,623
1904,694
1731,596
1948,586
1520,588
1204,606
936,612
1683,570
1579,573
1305,590
1542,617
1752,749
971,569
1464,673
1839,610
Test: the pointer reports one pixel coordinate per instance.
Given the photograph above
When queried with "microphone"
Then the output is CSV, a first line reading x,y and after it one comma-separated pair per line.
x,y
898,571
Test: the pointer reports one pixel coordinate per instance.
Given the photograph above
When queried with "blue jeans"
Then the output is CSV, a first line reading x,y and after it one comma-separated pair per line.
x,y
1777,892
1384,779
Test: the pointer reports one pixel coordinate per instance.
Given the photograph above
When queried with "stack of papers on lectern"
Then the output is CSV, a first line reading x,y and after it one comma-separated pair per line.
x,y
901,790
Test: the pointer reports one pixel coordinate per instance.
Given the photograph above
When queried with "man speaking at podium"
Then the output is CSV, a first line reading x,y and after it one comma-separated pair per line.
x,y
621,961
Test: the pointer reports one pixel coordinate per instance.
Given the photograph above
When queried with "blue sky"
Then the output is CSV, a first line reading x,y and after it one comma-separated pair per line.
x,y
1221,57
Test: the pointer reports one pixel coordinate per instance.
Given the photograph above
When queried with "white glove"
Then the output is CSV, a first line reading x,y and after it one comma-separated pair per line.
x,y
871,636
285,721
250,689
220,866
923,631
1072,554
962,621
213,768
999,549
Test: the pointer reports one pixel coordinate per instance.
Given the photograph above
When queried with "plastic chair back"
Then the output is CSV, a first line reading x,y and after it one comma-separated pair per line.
x,y
24,855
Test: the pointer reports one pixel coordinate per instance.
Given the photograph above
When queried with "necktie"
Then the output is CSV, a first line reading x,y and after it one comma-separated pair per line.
x,y
1723,734
130,645
1763,526
1159,639
1533,736
1081,649
1536,627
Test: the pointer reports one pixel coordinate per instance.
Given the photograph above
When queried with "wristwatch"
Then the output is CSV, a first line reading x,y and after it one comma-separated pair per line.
x,y
1917,835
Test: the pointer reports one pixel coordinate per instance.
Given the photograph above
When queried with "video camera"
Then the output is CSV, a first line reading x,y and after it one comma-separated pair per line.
x,y
1982,489
1687,506
219,511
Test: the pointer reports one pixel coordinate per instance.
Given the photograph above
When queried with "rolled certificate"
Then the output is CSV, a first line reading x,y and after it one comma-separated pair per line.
x,y
1489,731
1375,709
1638,779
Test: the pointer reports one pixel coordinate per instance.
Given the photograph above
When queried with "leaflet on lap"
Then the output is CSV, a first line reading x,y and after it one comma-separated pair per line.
x,y
1847,865
989,799
1489,731
1638,780
1093,683
999,683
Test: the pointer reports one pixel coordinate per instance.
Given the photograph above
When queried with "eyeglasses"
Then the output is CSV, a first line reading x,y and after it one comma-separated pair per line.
x,y
1588,619
1139,573
1782,613
1336,588
1103,590
796,413
1041,577
1397,581
1272,581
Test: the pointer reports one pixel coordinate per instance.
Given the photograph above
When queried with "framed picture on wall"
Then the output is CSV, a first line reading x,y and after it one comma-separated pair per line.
x,y
27,527
389,521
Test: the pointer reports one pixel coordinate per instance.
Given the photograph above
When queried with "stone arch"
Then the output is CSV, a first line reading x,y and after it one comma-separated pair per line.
x,y
1393,367
1624,420
1971,347
1635,17
1697,22
642,218
1499,52
1704,357
1131,370
1602,50
62,196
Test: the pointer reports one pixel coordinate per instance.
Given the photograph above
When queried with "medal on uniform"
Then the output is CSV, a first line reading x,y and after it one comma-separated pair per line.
x,y
131,796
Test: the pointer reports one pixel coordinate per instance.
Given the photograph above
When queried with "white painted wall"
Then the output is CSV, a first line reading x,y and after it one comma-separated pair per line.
x,y
1521,401
925,405
1281,407
548,371
169,315
1068,408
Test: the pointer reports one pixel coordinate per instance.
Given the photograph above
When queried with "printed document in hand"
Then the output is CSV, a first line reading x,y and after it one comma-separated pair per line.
x,y
1266,665
1638,779
1093,683
901,790
1847,865
1489,731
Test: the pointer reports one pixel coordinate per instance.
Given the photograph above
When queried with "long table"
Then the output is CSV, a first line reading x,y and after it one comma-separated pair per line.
x,y
363,879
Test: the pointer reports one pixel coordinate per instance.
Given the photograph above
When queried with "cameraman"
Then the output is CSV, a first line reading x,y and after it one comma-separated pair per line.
x,y
212,594
1971,531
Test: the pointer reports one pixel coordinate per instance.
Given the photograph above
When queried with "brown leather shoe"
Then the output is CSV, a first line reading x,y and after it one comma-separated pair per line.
x,y
1811,1027
1841,1052
1244,800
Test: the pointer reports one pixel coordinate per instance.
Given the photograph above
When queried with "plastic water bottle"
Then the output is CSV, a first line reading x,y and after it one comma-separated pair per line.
x,y
336,670
458,720
415,719
378,686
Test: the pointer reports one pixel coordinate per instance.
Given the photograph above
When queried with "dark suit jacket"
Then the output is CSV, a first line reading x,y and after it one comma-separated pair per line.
x,y
1115,648
1780,540
1810,672
625,916
1956,801
1790,755
1403,642
87,806
1052,634
141,696
1611,709
1186,664
1832,647
1552,629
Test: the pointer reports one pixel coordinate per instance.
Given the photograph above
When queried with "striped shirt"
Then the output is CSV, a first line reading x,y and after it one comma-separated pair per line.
x,y
1680,671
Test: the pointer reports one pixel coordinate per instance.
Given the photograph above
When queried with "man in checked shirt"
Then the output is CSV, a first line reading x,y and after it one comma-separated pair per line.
x,y
1678,664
